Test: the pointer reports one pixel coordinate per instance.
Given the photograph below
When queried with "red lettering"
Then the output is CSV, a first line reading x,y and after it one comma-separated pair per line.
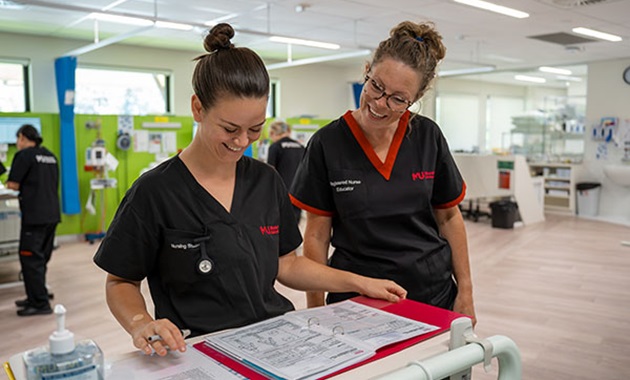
x,y
422,175
269,230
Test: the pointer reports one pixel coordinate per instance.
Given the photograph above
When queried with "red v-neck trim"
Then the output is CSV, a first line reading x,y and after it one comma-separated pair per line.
x,y
385,168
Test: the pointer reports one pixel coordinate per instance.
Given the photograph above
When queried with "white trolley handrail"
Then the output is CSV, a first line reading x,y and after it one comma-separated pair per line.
x,y
462,359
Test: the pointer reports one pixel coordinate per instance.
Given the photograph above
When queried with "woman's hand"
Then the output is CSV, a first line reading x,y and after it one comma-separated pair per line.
x,y
170,336
382,289
464,305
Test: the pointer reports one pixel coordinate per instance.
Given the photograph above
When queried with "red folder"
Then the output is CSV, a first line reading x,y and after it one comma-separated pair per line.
x,y
406,308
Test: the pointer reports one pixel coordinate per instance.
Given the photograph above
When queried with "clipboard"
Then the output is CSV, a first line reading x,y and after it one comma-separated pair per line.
x,y
441,318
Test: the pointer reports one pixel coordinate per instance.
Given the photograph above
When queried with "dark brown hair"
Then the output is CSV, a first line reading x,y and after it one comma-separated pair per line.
x,y
30,133
417,45
228,70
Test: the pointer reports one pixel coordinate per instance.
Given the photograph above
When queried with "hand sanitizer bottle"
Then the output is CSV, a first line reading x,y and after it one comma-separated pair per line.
x,y
63,359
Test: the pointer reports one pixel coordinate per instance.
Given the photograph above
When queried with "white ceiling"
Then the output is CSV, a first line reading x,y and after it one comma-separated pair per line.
x,y
473,37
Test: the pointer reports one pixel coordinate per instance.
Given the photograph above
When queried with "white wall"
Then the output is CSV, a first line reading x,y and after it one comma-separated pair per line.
x,y
321,90
607,95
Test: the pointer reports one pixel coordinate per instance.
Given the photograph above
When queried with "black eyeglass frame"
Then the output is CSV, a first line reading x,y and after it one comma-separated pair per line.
x,y
377,86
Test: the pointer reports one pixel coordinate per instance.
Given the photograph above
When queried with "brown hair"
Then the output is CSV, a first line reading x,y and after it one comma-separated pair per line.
x,y
228,70
417,45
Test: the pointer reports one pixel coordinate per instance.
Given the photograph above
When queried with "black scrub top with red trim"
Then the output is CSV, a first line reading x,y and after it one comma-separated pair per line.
x,y
167,224
382,213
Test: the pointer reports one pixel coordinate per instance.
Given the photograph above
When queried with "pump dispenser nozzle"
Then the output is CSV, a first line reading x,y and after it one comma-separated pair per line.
x,y
61,340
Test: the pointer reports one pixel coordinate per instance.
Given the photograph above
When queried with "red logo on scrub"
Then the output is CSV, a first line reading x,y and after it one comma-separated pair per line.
x,y
269,230
420,176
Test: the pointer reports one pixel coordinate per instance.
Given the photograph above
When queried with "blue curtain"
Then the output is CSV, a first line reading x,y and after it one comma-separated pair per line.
x,y
356,90
65,68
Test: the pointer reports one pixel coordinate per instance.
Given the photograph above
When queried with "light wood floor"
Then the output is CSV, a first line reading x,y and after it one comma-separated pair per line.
x,y
560,289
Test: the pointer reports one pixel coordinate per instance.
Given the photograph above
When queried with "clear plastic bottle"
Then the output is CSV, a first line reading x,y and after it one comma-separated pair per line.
x,y
63,359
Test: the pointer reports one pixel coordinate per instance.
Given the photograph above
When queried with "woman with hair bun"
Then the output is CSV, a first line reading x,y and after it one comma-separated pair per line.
x,y
211,229
382,179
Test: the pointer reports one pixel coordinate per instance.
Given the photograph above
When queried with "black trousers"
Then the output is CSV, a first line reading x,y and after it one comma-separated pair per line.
x,y
36,246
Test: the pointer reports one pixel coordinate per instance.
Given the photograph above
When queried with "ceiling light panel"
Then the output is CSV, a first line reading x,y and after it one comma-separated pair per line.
x,y
554,70
298,41
597,34
494,8
528,78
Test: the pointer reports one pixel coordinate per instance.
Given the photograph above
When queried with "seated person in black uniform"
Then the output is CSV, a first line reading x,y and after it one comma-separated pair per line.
x,y
212,229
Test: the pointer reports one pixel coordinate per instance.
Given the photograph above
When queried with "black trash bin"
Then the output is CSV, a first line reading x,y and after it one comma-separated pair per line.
x,y
503,213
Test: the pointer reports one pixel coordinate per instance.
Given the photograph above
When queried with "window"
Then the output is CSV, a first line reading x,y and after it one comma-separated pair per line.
x,y
458,117
14,87
500,110
121,92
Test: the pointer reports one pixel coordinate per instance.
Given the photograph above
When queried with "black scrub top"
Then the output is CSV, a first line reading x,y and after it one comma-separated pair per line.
x,y
285,155
382,212
166,217
37,172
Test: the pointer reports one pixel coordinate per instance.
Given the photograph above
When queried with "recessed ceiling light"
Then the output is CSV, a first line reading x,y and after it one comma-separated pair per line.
x,y
494,8
173,25
121,19
298,41
596,34
554,70
527,78
467,70
567,78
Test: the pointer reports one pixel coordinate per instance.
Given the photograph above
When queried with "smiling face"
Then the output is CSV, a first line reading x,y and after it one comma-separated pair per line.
x,y
229,127
397,80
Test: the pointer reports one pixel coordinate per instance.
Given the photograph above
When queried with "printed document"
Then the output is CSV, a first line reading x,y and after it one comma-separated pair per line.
x,y
312,343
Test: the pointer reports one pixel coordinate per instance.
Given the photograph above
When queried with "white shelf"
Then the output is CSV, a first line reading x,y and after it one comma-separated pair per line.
x,y
557,177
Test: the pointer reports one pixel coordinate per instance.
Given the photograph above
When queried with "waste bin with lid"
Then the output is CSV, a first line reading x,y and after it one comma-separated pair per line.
x,y
503,213
588,198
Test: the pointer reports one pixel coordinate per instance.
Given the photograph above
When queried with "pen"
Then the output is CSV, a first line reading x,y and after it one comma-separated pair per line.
x,y
9,372
156,337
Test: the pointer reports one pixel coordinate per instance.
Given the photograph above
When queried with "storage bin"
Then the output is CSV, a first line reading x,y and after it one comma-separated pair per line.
x,y
503,213
588,198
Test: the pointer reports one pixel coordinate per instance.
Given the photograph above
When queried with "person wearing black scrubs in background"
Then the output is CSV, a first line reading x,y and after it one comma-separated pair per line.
x,y
35,174
211,229
384,182
285,154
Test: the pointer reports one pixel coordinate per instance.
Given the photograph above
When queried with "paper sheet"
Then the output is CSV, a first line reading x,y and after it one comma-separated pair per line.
x,y
189,365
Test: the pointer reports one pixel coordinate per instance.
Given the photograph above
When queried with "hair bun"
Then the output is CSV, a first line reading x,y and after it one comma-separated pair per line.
x,y
219,38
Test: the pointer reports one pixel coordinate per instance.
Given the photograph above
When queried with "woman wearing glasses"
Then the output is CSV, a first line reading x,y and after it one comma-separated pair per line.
x,y
381,186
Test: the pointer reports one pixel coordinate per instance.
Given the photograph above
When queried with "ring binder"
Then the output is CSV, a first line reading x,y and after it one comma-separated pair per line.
x,y
312,320
337,330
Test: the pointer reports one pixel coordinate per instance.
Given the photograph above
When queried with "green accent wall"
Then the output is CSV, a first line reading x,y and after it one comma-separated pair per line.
x,y
129,167
130,163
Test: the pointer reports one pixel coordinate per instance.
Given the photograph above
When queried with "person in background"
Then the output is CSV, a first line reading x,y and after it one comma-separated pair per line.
x,y
35,174
211,229
381,186
285,154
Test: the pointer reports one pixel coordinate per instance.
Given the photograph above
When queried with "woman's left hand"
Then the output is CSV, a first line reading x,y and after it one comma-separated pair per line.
x,y
382,289
464,305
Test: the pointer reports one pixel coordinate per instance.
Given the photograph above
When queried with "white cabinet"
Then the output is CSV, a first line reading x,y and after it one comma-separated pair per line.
x,y
558,185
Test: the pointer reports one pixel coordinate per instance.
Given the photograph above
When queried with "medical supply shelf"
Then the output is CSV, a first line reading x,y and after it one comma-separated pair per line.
x,y
558,185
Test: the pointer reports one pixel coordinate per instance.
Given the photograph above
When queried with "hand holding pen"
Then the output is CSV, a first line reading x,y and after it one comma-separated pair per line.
x,y
159,336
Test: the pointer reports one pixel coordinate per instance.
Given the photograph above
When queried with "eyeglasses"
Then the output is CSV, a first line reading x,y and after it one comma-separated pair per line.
x,y
376,91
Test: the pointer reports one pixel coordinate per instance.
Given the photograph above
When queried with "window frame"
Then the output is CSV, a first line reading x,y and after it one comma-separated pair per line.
x,y
26,81
167,88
